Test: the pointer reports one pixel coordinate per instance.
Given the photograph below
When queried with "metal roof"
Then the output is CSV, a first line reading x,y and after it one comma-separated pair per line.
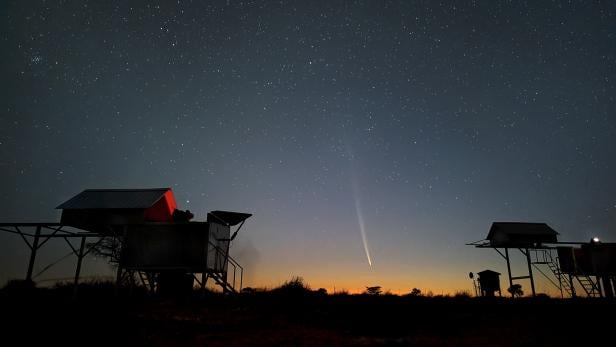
x,y
518,228
228,217
488,272
114,198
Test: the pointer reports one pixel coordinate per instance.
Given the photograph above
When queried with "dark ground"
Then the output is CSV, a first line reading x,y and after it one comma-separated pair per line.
x,y
299,318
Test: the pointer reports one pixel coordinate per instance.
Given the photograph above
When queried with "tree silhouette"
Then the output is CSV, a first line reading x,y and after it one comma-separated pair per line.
x,y
516,290
108,247
415,292
376,290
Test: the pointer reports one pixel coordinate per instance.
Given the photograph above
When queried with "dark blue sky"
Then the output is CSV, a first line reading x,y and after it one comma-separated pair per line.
x,y
427,120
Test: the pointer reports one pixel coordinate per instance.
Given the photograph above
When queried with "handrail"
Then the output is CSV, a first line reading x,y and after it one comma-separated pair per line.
x,y
229,260
545,256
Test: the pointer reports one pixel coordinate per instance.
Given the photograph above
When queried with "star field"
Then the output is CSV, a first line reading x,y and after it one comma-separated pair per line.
x,y
448,116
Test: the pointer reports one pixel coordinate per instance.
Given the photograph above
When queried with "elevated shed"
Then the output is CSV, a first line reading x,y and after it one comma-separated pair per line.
x,y
520,235
526,237
95,209
155,237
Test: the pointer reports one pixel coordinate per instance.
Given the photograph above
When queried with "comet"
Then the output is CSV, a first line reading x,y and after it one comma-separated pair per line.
x,y
360,221
358,208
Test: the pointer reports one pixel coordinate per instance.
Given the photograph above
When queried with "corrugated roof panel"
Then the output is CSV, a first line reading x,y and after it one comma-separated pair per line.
x,y
518,228
228,217
488,272
114,198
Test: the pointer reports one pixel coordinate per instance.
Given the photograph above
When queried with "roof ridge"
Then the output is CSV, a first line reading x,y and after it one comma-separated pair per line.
x,y
115,198
124,189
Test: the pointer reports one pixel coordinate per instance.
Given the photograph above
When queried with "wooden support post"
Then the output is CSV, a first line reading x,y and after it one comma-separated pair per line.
x,y
223,280
131,282
118,280
241,278
571,284
78,269
33,250
203,281
234,276
119,272
607,287
530,272
599,286
509,270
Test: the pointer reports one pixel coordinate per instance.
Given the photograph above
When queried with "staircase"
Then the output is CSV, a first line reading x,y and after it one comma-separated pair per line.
x,y
590,287
229,281
148,280
220,279
545,257
219,272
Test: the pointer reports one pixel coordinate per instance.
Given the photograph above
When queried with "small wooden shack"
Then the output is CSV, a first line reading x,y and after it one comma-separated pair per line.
x,y
489,282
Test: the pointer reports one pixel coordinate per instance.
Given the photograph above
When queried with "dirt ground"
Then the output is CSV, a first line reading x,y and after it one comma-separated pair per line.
x,y
97,317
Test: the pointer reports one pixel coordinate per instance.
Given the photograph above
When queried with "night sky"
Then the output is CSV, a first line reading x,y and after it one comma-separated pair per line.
x,y
418,122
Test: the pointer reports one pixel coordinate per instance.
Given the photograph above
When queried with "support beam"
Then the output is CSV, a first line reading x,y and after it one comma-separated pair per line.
x,y
520,277
78,269
120,262
33,250
599,286
241,277
509,270
530,272
607,287
204,278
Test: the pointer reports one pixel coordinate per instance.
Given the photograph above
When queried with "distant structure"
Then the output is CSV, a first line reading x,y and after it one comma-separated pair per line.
x,y
489,282
148,238
593,259
569,268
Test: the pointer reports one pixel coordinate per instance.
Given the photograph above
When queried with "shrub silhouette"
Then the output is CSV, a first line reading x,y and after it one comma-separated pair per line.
x,y
462,294
248,290
294,286
18,285
415,292
296,282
